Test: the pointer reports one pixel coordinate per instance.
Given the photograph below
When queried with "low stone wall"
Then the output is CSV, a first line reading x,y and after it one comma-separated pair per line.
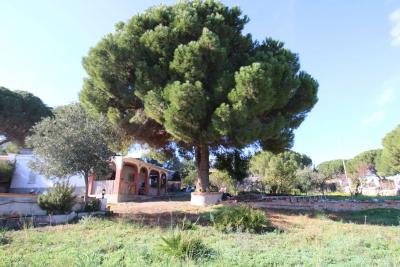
x,y
291,203
44,220
19,205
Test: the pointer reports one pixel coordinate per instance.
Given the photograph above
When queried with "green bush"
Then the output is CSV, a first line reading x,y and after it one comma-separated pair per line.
x,y
6,170
221,179
184,247
239,219
58,201
92,205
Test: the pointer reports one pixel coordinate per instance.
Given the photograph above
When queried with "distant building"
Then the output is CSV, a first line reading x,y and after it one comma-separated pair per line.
x,y
388,186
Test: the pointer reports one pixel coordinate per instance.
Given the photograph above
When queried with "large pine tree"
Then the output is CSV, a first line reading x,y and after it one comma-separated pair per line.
x,y
186,74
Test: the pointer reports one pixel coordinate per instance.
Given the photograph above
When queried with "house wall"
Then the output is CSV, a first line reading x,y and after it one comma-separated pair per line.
x,y
25,180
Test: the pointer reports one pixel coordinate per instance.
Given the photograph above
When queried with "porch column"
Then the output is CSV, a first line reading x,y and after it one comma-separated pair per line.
x,y
166,184
146,180
158,183
119,166
136,180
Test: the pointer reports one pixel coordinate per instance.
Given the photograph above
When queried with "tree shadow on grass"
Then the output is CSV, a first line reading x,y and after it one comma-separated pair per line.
x,y
382,217
180,219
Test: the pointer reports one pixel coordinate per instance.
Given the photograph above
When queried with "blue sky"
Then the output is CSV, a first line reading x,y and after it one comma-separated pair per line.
x,y
351,47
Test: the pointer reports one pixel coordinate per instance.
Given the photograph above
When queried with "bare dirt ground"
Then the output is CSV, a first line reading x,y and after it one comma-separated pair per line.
x,y
155,207
167,213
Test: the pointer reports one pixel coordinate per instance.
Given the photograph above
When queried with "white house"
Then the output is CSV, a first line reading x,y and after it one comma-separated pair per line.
x,y
25,180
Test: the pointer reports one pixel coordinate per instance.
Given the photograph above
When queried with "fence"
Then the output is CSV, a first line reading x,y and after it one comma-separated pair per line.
x,y
98,187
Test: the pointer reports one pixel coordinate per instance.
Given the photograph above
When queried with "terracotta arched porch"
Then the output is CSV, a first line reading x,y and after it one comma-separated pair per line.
x,y
132,179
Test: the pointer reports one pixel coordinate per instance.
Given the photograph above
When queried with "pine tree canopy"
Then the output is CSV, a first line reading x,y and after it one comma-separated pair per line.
x,y
187,74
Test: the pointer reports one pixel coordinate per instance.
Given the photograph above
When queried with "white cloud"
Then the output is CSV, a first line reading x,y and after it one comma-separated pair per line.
x,y
374,117
386,97
394,17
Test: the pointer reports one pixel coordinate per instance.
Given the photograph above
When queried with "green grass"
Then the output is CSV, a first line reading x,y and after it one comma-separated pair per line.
x,y
373,216
343,196
304,241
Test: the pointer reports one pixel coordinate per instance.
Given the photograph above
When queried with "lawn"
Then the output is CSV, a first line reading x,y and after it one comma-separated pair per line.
x,y
307,240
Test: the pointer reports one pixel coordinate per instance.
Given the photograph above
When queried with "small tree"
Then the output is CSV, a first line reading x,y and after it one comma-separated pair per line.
x,y
235,163
366,160
278,171
222,179
71,143
304,180
331,169
19,111
389,163
190,178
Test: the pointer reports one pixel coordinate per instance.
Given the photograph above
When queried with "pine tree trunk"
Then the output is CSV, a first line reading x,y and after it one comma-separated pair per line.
x,y
203,166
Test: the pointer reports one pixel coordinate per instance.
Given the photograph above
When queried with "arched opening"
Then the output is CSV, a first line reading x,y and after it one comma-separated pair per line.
x,y
163,183
128,179
143,182
154,183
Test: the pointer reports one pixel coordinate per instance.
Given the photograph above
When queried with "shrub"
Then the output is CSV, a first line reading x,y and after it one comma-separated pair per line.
x,y
92,205
58,201
240,219
184,247
6,170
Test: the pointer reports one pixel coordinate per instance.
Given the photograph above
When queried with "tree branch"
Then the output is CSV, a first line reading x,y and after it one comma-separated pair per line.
x,y
4,141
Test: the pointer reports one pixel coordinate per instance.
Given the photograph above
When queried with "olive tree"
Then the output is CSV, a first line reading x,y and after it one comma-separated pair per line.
x,y
278,171
72,142
187,74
